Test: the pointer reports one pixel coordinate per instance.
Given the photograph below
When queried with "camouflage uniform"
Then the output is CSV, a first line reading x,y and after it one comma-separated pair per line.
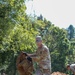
x,y
72,67
42,57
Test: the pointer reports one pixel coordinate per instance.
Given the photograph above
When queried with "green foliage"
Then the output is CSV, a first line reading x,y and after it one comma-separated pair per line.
x,y
71,37
58,44
18,32
71,32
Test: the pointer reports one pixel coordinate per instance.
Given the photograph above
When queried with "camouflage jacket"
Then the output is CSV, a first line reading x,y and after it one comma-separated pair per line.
x,y
72,67
42,57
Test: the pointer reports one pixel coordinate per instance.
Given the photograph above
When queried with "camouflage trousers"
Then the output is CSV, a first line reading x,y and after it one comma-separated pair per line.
x,y
43,72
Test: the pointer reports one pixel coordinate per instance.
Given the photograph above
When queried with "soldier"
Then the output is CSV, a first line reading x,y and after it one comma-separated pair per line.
x,y
71,68
42,57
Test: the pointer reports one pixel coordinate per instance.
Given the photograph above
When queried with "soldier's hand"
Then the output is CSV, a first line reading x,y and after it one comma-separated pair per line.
x,y
29,58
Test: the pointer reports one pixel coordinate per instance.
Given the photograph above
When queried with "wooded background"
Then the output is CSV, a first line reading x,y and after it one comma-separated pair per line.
x,y
18,31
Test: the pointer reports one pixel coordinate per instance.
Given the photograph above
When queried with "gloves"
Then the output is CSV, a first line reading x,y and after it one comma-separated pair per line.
x,y
29,58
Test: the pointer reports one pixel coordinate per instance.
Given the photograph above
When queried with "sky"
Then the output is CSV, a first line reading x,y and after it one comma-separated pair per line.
x,y
59,12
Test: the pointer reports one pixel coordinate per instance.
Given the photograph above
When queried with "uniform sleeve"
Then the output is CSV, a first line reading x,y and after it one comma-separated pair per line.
x,y
32,55
42,55
73,68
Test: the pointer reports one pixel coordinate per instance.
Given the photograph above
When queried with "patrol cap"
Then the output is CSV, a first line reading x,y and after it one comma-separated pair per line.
x,y
38,38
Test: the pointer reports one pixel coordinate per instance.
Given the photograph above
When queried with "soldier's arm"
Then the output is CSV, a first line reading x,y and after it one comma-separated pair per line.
x,y
32,55
36,58
43,55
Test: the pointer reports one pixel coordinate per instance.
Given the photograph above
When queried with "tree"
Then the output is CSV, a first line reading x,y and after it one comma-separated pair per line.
x,y
57,43
59,48
40,17
71,31
17,33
